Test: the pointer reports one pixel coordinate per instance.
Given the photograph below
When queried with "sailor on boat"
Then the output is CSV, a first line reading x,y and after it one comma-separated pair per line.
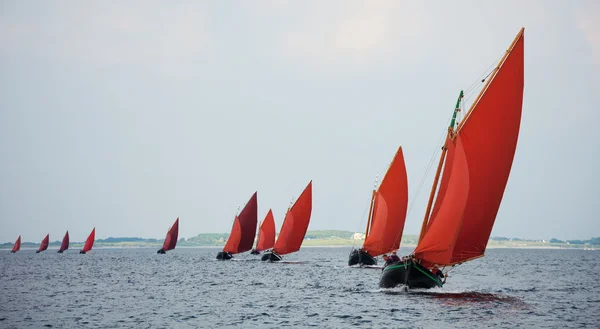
x,y
436,270
394,257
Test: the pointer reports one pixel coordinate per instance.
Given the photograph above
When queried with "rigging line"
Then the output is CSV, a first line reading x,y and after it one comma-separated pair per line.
x,y
490,68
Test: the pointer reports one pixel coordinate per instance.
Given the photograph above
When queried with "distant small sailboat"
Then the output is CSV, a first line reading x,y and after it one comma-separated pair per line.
x,y
266,234
476,159
44,244
171,238
89,243
17,245
293,228
65,243
241,238
387,214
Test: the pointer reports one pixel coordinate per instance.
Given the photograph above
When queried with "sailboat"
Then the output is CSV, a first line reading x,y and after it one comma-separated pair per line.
x,y
171,238
266,234
387,214
65,243
17,245
89,243
293,228
241,238
44,244
476,158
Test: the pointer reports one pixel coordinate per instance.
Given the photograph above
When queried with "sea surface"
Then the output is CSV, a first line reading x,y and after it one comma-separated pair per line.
x,y
188,288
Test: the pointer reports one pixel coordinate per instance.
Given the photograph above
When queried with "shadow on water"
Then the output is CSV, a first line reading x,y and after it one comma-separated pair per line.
x,y
460,298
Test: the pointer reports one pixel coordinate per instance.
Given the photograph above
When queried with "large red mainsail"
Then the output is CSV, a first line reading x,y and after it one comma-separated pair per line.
x,y
480,154
266,233
44,244
17,245
389,209
89,243
65,243
295,224
171,238
241,238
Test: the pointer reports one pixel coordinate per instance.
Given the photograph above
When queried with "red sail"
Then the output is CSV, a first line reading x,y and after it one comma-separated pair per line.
x,y
65,243
171,239
488,138
389,210
295,224
241,238
89,243
17,245
44,244
266,234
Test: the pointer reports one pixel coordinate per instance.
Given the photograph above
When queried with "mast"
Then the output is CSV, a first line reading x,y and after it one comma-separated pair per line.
x,y
440,164
371,209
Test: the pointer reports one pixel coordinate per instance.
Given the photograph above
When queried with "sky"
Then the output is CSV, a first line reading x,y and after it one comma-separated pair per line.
x,y
124,116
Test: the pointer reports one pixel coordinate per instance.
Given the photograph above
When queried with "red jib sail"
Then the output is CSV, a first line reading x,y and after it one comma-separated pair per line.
x,y
17,245
241,238
65,243
266,233
44,244
480,156
389,210
171,238
295,224
89,243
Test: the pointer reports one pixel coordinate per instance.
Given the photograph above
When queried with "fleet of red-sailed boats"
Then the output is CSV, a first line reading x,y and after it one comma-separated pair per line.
x,y
474,167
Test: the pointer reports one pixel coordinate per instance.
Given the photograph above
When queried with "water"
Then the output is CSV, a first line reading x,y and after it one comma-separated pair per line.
x,y
187,288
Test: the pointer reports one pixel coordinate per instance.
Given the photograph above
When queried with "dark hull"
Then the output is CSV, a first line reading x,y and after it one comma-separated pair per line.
x,y
12,252
37,252
60,251
270,256
161,251
222,255
82,252
359,257
254,252
409,274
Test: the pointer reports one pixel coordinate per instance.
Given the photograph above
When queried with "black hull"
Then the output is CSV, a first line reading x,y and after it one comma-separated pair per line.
x,y
82,252
270,256
254,252
222,255
161,251
409,274
60,251
37,252
359,257
12,252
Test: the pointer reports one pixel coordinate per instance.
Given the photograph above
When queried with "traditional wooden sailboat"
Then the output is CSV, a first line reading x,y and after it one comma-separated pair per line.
x,y
89,243
266,234
171,238
44,244
17,246
387,214
65,243
293,228
476,158
241,238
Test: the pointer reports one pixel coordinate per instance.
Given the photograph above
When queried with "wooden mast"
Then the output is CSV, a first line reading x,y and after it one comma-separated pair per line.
x,y
370,214
439,167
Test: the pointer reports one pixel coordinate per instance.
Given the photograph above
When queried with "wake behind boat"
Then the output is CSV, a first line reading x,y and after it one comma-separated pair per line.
x,y
476,158
241,238
171,238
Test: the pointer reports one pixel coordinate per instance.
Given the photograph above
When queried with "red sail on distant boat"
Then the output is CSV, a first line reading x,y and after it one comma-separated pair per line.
x,y
44,244
17,245
171,238
295,224
65,243
89,243
241,238
266,233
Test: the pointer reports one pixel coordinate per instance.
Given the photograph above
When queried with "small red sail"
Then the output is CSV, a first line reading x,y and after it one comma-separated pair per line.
x,y
89,243
389,210
473,186
65,243
44,244
266,234
17,245
241,238
171,238
295,224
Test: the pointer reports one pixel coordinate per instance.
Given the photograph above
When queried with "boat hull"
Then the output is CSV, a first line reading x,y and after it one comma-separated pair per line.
x,y
82,252
360,257
409,274
161,251
222,255
60,251
270,256
254,252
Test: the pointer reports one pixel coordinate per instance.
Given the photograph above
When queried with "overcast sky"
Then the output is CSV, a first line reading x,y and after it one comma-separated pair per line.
x,y
126,115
